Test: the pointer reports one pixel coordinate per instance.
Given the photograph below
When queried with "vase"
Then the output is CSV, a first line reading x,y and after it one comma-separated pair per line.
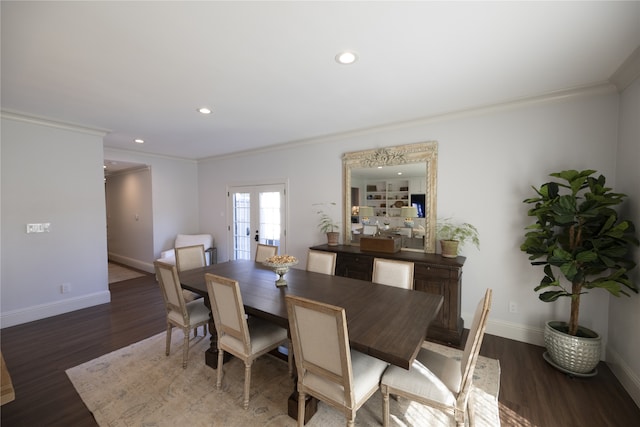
x,y
449,248
578,355
332,238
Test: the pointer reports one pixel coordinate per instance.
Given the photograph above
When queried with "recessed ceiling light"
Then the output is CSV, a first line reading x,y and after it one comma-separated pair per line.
x,y
138,141
346,57
204,110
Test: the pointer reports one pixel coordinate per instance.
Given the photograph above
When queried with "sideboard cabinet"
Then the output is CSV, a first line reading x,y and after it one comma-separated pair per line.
x,y
432,273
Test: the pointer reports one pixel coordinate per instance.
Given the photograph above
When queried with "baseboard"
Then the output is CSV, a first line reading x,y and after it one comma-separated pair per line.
x,y
131,262
625,375
514,331
37,312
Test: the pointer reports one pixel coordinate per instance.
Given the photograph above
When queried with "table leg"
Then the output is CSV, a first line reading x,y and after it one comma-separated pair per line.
x,y
310,405
211,355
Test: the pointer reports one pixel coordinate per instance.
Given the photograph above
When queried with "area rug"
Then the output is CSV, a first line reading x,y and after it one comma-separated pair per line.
x,y
139,386
119,273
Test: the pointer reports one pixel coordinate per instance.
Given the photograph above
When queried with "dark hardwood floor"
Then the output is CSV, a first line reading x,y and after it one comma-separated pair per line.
x,y
532,393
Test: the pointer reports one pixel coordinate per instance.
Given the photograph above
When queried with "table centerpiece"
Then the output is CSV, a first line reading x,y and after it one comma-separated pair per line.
x,y
280,264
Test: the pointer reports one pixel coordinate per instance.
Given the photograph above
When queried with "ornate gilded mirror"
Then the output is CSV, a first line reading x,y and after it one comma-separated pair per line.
x,y
391,191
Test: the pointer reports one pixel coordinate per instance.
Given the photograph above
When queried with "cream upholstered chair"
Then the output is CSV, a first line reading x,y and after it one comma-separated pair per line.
x,y
436,380
321,262
188,258
245,339
393,273
327,368
265,251
184,315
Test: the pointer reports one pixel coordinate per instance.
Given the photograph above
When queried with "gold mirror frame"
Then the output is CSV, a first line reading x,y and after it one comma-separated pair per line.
x,y
423,152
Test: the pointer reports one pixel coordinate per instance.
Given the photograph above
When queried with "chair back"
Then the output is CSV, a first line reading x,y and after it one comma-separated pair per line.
x,y
474,341
265,251
167,275
369,230
321,262
190,257
321,346
227,309
393,273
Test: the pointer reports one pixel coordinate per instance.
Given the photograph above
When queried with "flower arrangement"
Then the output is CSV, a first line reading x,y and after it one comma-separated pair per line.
x,y
281,260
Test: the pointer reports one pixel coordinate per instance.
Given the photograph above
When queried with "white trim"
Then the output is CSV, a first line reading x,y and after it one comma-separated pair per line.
x,y
37,312
515,331
577,92
132,262
625,374
43,121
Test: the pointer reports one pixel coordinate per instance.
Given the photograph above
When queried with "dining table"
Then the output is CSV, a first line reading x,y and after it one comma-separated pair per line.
x,y
385,322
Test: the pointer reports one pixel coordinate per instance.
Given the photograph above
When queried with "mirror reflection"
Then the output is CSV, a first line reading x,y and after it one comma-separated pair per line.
x,y
391,192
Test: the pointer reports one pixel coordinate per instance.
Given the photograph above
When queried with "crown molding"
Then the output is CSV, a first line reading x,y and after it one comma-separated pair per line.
x,y
628,72
43,121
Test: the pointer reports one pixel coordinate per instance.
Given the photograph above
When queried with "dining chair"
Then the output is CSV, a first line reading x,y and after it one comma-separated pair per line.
x,y
436,380
184,315
321,262
188,258
393,273
247,339
327,368
265,251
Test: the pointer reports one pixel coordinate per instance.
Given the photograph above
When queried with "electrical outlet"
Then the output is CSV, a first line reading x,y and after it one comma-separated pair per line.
x,y
513,307
65,288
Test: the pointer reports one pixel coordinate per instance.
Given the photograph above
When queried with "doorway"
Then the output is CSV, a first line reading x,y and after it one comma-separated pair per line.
x,y
258,215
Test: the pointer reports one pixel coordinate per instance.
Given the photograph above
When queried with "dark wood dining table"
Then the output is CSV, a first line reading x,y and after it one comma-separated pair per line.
x,y
383,321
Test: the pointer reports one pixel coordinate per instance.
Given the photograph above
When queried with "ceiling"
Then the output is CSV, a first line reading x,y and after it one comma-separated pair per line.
x,y
267,69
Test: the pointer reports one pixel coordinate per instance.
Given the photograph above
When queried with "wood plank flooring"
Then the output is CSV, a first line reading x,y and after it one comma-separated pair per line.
x,y
37,354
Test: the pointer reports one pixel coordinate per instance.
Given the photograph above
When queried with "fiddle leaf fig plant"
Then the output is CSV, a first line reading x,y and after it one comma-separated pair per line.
x,y
579,240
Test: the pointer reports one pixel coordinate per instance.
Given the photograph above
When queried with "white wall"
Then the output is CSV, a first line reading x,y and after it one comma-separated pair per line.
x,y
624,313
488,161
51,174
130,218
174,194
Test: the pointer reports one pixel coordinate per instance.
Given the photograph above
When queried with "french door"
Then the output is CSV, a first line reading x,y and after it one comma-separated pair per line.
x,y
258,215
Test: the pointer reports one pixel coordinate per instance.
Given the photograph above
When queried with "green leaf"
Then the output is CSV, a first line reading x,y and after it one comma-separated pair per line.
x,y
551,296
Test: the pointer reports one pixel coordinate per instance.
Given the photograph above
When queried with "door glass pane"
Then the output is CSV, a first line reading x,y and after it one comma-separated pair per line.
x,y
270,218
242,225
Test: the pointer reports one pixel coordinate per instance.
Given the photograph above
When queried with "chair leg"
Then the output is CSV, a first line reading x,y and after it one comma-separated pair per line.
x,y
301,398
458,416
185,349
290,359
219,374
385,406
247,383
168,346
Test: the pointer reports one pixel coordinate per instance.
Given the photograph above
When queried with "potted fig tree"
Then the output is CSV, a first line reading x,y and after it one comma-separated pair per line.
x,y
327,224
582,244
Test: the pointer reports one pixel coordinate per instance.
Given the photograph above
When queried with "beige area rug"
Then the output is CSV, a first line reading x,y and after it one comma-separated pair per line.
x,y
139,386
119,273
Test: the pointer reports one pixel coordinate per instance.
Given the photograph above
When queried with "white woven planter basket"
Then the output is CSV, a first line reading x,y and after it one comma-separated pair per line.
x,y
575,354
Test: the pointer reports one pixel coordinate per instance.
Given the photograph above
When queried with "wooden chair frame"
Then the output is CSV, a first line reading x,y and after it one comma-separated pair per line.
x,y
321,262
467,365
265,251
178,311
380,276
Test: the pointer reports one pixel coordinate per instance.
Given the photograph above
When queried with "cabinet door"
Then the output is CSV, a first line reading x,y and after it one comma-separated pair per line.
x,y
354,266
435,280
